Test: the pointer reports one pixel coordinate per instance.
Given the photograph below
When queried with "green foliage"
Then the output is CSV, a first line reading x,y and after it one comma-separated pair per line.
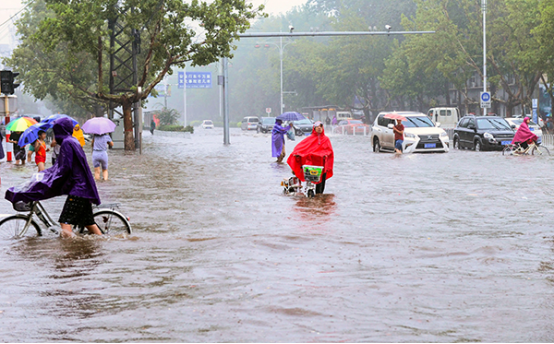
x,y
65,45
180,128
168,116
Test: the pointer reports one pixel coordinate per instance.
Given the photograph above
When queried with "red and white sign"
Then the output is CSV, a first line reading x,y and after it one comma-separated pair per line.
x,y
268,110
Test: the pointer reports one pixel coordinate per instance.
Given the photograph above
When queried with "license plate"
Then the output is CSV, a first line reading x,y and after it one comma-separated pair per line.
x,y
506,142
532,129
430,145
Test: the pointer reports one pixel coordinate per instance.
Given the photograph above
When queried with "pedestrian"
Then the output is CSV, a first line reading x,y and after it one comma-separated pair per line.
x,y
78,134
316,150
335,122
30,152
152,126
2,154
70,176
40,150
278,140
398,136
327,120
100,145
55,150
18,152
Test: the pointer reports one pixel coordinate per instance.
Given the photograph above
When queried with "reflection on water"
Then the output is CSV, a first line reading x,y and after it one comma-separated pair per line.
x,y
423,248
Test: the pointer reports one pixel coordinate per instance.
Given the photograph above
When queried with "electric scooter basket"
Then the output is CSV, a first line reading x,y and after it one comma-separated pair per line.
x,y
312,173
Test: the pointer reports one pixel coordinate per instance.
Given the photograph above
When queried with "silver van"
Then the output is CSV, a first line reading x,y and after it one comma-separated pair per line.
x,y
249,123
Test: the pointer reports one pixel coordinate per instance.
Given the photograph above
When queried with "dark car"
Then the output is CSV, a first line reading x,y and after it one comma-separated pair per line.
x,y
266,124
482,133
302,126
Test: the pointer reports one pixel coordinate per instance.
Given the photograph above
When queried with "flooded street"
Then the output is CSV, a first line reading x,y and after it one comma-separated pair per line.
x,y
421,248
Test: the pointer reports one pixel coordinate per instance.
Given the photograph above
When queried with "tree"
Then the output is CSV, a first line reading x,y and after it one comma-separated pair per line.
x,y
173,33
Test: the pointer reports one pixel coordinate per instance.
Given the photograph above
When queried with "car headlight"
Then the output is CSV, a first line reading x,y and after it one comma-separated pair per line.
x,y
444,134
410,135
488,136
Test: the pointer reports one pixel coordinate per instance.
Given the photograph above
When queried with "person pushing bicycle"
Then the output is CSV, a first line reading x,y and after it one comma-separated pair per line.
x,y
71,176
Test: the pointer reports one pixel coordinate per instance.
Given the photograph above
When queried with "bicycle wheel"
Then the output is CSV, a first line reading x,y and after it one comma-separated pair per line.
x,y
540,150
12,227
111,222
509,150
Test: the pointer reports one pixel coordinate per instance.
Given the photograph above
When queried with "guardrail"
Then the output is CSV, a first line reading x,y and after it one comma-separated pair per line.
x,y
342,130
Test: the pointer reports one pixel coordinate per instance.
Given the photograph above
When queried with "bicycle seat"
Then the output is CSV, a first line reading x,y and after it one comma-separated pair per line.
x,y
107,205
21,206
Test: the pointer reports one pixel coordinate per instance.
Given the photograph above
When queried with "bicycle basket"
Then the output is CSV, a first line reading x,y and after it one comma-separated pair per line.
x,y
22,206
312,173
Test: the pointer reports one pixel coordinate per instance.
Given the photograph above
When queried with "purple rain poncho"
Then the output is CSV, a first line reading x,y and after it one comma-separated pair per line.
x,y
278,138
70,175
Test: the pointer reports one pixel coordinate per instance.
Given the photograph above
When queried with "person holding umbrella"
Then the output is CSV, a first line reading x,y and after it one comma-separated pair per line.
x,y
100,127
398,136
278,140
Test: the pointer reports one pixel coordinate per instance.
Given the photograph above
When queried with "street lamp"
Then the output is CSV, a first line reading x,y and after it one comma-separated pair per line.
x,y
281,48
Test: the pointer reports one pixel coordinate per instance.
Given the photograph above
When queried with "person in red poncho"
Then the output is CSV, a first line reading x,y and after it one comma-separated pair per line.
x,y
315,150
524,136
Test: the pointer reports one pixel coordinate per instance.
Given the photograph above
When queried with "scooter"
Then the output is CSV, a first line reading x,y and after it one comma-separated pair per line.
x,y
312,175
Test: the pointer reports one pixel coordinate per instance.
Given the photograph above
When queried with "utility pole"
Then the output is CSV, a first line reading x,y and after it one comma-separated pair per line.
x,y
484,7
225,104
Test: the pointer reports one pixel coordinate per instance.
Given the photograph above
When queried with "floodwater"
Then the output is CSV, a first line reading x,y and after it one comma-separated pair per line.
x,y
420,248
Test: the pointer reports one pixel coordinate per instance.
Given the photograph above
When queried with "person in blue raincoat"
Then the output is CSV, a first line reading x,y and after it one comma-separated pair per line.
x,y
71,176
278,140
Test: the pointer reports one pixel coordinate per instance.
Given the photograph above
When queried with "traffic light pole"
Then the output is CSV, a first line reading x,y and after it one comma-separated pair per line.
x,y
7,110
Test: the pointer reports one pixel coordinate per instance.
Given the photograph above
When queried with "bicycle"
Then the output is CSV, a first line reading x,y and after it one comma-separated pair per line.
x,y
108,220
533,148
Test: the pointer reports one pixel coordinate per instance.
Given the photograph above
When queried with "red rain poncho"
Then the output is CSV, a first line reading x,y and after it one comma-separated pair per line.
x,y
311,151
524,134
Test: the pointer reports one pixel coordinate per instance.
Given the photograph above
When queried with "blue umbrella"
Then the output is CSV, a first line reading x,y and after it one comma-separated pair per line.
x,y
291,116
31,134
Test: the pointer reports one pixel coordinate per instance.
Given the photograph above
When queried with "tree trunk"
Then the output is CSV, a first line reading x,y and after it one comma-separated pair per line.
x,y
128,125
447,93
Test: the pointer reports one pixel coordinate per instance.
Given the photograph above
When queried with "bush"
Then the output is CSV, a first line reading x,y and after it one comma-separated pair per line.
x,y
195,123
188,128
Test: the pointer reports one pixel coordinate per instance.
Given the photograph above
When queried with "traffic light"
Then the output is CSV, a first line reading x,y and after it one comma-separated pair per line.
x,y
6,79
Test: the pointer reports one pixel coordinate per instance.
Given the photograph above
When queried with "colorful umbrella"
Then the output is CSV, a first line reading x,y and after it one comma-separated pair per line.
x,y
20,124
99,126
395,116
50,119
291,116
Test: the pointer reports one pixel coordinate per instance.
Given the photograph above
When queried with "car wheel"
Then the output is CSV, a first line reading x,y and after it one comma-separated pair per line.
x,y
376,145
477,146
456,143
298,132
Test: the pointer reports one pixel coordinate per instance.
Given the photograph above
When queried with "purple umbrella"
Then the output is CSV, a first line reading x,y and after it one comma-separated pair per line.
x,y
291,116
99,126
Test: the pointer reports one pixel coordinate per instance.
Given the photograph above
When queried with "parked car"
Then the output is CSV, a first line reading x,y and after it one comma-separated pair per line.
x,y
207,124
482,133
516,122
250,123
353,126
302,126
447,117
421,134
266,124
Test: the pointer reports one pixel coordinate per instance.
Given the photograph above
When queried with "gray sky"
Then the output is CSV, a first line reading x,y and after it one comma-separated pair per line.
x,y
10,7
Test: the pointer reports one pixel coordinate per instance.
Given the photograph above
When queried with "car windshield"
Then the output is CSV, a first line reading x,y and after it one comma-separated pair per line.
x,y
416,122
492,123
208,122
253,120
356,122
304,121
268,120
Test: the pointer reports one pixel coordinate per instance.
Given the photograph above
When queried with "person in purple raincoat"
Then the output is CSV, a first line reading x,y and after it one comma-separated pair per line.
x,y
71,176
278,140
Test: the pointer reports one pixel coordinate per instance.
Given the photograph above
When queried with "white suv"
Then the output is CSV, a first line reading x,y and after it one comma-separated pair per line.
x,y
420,134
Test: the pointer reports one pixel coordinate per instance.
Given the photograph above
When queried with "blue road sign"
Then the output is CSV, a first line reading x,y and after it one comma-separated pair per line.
x,y
485,96
181,78
199,80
